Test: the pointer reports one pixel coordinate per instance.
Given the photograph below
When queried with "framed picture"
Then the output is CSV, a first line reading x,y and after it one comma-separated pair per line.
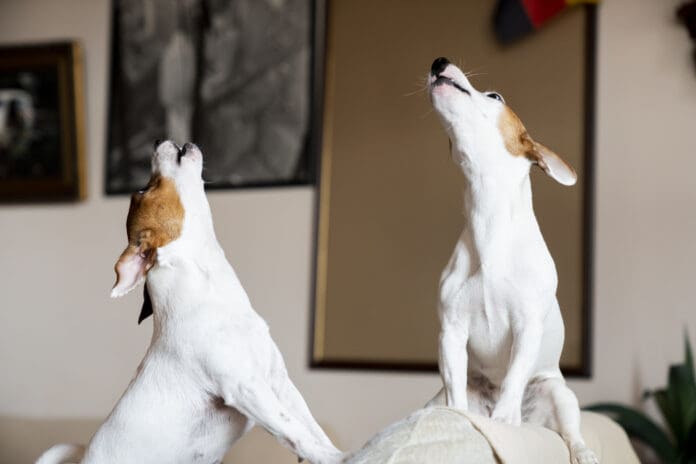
x,y
41,123
390,198
234,77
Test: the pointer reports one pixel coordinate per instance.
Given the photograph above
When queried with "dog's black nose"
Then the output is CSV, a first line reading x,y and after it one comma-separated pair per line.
x,y
158,142
439,65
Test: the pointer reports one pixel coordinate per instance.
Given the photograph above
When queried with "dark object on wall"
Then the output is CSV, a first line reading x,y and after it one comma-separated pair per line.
x,y
389,210
235,77
41,125
687,15
514,19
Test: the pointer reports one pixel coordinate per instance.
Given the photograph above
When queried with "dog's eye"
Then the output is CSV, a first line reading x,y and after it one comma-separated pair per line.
x,y
495,96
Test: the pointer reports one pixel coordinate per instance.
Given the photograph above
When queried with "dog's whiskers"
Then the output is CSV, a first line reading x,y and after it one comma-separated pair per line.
x,y
426,114
417,91
422,85
474,72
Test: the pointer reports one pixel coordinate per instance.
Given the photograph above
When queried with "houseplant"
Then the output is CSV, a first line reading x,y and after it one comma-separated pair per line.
x,y
677,405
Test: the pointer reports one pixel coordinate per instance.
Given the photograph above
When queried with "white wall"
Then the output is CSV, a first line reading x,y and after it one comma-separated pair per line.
x,y
66,350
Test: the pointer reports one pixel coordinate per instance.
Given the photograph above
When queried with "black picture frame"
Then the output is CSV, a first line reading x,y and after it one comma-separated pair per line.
x,y
306,172
51,165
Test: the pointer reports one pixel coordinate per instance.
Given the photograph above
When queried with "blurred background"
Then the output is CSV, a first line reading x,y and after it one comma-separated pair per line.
x,y
67,351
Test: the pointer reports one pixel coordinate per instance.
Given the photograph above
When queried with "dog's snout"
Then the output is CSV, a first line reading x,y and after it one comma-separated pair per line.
x,y
439,65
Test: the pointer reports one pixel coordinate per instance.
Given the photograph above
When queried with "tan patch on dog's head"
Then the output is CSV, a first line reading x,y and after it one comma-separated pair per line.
x,y
155,218
156,214
519,143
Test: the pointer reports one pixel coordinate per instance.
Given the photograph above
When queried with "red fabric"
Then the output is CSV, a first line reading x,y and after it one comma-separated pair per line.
x,y
539,11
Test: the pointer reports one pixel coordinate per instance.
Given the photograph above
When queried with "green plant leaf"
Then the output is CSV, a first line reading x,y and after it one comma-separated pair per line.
x,y
680,402
637,425
663,404
688,357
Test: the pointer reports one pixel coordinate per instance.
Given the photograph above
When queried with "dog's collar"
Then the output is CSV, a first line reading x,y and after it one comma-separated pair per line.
x,y
146,310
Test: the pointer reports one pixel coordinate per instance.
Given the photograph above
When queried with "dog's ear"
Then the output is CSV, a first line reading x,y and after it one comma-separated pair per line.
x,y
553,165
519,143
131,268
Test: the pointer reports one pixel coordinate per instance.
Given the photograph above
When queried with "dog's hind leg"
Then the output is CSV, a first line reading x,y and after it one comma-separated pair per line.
x,y
550,403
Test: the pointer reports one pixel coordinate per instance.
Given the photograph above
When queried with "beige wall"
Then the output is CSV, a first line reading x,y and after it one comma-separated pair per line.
x,y
67,351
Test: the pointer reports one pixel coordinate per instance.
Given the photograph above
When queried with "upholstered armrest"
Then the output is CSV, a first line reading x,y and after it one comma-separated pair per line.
x,y
443,436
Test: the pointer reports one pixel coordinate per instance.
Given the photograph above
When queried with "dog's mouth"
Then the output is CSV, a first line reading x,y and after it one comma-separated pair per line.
x,y
183,151
180,151
444,80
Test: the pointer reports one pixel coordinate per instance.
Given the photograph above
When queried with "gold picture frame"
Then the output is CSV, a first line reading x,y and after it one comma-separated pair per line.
x,y
389,198
41,123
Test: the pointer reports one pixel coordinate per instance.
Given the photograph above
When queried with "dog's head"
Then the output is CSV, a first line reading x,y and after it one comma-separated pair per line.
x,y
482,128
170,210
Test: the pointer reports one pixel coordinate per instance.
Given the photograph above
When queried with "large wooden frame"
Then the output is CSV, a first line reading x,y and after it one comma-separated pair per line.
x,y
389,201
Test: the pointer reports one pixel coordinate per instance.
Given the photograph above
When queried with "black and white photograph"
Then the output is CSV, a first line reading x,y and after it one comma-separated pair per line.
x,y
23,96
232,76
39,153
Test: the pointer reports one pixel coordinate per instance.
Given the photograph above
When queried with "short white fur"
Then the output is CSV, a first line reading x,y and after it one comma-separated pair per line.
x,y
212,370
501,327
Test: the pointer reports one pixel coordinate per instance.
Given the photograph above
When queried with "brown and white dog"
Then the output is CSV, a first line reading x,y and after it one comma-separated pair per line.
x,y
502,331
212,370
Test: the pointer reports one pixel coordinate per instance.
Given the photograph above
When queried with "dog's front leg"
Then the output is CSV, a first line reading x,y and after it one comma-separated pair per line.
x,y
526,341
453,361
260,404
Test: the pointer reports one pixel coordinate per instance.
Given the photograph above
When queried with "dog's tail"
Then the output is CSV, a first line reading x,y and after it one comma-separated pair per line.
x,y
62,454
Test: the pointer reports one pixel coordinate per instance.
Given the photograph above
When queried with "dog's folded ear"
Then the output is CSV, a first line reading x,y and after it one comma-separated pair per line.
x,y
131,268
553,165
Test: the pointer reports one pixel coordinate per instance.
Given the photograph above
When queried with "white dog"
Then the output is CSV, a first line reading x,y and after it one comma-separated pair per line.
x,y
502,331
212,370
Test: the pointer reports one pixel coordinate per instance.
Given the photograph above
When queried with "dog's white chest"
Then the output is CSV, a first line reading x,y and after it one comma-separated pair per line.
x,y
472,303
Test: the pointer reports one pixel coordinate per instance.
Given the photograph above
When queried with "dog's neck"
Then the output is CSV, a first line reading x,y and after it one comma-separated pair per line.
x,y
192,273
189,286
497,197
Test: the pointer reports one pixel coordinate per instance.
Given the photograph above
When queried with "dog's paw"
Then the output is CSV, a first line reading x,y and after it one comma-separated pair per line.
x,y
581,454
507,413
